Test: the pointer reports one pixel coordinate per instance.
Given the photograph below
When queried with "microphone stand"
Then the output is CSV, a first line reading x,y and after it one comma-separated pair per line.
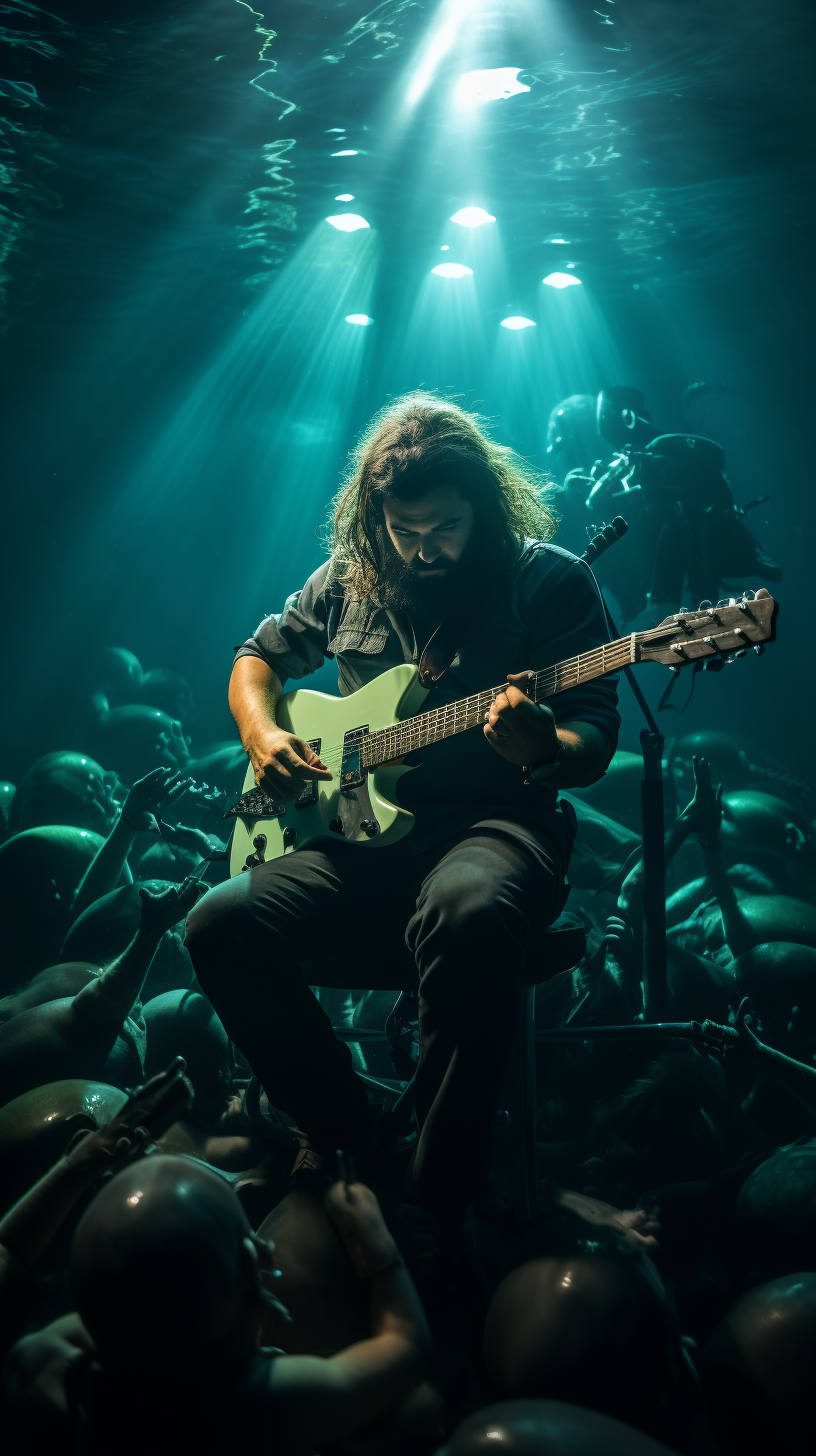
x,y
655,984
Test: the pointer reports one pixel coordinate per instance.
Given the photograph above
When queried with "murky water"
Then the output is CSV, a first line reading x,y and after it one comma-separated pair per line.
x,y
184,382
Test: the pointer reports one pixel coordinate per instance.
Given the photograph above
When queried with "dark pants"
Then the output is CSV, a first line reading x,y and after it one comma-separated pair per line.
x,y
472,910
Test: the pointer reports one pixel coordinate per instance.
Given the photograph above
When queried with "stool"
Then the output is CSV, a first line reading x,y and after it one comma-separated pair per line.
x,y
561,946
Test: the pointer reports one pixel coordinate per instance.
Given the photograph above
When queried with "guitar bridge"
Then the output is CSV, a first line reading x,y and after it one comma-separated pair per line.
x,y
256,805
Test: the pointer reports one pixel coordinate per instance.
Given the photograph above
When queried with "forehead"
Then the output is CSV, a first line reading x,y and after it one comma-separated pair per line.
x,y
437,505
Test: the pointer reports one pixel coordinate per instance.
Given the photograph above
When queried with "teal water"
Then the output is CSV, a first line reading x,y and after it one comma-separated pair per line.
x,y
182,386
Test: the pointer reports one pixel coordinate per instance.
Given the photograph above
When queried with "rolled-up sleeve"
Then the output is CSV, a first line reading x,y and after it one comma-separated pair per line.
x,y
566,615
294,642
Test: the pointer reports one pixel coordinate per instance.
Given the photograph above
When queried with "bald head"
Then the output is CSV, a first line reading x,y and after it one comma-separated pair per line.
x,y
758,1369
588,1329
159,1266
547,1428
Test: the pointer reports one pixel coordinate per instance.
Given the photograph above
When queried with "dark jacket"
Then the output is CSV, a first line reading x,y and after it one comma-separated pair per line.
x,y
551,611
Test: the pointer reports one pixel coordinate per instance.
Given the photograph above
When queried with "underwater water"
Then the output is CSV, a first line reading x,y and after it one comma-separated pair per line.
x,y
191,347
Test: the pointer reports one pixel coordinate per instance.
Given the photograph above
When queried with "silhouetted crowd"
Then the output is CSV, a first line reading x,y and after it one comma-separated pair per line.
x,y
179,1269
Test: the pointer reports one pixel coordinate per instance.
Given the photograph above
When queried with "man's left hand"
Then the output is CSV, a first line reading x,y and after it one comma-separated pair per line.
x,y
522,731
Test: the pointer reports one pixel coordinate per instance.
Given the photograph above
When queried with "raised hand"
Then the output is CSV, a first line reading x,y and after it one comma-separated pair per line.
x,y
749,1045
703,815
619,941
145,1117
160,912
160,786
355,1213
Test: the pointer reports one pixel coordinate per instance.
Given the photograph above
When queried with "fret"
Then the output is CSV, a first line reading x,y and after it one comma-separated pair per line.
x,y
386,744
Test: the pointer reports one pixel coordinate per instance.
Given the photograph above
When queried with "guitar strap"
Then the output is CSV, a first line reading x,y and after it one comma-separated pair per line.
x,y
441,648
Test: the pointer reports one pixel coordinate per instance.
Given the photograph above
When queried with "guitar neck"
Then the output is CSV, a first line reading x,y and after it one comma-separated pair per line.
x,y
389,743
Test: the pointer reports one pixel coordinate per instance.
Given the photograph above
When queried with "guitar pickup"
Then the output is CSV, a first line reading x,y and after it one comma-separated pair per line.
x,y
256,805
352,773
308,795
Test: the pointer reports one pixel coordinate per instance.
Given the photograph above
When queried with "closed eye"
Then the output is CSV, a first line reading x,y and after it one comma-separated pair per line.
x,y
446,526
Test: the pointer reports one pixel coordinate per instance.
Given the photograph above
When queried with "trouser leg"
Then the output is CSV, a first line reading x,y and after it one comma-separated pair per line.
x,y
476,912
245,938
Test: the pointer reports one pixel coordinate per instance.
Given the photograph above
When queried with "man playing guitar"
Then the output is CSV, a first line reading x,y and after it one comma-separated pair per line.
x,y
440,559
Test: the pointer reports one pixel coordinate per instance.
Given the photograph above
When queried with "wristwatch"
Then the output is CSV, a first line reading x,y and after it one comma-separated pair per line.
x,y
543,768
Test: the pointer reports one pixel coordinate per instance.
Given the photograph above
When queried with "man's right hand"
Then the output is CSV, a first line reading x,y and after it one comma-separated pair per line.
x,y
283,763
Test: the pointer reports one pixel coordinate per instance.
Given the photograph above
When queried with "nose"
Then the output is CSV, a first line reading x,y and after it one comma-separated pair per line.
x,y
429,553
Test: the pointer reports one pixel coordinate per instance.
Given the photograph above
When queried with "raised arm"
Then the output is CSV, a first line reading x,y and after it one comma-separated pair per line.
x,y
109,997
144,799
798,1077
28,1228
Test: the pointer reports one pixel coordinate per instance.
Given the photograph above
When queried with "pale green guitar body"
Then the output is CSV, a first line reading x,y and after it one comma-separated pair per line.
x,y
389,699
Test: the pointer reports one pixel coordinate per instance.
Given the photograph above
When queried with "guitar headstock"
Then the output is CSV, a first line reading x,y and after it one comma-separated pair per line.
x,y
730,627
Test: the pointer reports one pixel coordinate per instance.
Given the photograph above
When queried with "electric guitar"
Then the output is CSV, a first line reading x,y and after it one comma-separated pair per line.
x,y
363,738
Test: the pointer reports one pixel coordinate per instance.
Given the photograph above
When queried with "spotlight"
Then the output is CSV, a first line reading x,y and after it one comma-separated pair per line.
x,y
349,222
359,318
445,248
344,197
345,154
495,85
452,270
472,217
558,240
516,321
560,280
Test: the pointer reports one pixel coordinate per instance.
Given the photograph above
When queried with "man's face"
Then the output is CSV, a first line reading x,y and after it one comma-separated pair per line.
x,y
430,534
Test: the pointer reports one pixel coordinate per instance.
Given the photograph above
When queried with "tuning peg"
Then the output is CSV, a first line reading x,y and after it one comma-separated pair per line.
x,y
759,649
740,652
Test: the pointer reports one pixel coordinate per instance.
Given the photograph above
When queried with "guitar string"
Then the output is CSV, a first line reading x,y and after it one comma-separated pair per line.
x,y
447,714
438,723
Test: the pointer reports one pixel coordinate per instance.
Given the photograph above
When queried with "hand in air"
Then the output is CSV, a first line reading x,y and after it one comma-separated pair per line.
x,y
161,912
355,1213
703,815
619,941
160,786
145,1117
284,763
522,731
749,1045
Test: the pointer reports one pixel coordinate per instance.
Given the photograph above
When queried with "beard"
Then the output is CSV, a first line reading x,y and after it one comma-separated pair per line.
x,y
424,592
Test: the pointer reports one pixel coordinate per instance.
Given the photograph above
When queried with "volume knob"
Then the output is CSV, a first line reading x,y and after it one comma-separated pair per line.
x,y
336,825
369,827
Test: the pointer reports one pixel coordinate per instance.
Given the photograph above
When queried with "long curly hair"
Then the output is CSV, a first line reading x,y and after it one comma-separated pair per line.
x,y
414,445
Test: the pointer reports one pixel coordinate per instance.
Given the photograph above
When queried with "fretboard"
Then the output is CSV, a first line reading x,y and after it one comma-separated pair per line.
x,y
429,727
